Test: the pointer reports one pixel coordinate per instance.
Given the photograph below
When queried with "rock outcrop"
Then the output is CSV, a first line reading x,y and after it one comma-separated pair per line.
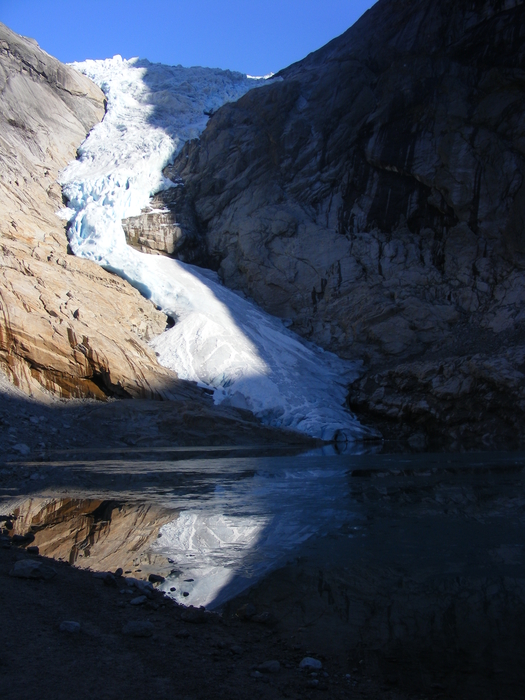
x,y
375,196
65,324
168,226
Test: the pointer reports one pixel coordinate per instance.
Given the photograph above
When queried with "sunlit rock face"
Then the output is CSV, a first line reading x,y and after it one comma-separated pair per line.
x,y
375,195
167,226
58,326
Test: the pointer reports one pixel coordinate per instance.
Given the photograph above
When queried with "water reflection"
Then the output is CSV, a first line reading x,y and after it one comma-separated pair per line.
x,y
96,534
212,528
412,564
248,527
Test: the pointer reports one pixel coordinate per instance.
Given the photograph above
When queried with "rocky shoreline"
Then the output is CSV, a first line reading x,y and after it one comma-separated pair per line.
x,y
85,634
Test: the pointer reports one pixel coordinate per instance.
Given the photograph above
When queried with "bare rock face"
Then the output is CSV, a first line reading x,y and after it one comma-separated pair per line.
x,y
168,226
375,195
454,397
65,324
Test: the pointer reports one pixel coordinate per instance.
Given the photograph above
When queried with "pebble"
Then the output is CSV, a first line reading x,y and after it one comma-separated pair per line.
x,y
22,448
119,572
29,568
139,600
269,667
100,574
69,626
32,550
23,539
255,674
196,615
264,618
139,628
309,663
145,587
156,578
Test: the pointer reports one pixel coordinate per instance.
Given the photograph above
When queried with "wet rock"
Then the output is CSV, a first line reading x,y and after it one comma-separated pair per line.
x,y
156,578
139,628
69,626
139,600
311,664
31,569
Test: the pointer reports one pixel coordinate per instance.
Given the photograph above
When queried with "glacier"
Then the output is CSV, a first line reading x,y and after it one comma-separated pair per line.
x,y
220,340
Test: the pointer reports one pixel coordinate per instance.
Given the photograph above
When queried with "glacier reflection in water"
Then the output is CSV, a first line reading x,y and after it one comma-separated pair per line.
x,y
246,527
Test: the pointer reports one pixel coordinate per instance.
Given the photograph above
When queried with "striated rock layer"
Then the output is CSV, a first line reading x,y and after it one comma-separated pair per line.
x,y
65,324
375,196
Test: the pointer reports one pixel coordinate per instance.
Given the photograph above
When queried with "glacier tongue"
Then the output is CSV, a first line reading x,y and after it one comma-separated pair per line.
x,y
220,340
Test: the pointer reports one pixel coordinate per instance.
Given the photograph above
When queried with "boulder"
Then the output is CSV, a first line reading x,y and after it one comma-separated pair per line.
x,y
29,568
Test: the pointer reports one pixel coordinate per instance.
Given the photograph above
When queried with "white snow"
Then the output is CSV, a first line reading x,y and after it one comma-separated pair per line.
x,y
220,340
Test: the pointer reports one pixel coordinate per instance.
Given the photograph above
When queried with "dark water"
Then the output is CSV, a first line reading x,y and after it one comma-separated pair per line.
x,y
412,566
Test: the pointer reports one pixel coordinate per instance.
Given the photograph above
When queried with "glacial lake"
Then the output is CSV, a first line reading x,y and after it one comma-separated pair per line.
x,y
414,559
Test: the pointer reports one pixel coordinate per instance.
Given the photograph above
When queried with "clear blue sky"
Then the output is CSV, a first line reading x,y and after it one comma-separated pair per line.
x,y
249,36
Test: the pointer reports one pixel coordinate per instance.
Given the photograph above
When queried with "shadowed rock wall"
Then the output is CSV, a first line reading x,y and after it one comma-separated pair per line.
x,y
374,195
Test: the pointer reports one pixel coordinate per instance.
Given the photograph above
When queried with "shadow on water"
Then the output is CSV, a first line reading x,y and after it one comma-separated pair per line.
x,y
413,565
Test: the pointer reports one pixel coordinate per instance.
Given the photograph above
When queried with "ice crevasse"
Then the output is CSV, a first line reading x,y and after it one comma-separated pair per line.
x,y
220,340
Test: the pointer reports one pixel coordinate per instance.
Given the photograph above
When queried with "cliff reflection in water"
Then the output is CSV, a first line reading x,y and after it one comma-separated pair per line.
x,y
211,535
101,535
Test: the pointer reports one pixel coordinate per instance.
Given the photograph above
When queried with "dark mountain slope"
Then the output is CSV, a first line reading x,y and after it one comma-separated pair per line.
x,y
374,195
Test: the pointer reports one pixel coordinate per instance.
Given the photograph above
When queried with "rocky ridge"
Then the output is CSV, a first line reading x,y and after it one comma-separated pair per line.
x,y
59,329
374,197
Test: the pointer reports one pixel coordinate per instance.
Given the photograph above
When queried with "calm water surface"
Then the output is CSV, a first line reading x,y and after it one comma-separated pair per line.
x,y
417,561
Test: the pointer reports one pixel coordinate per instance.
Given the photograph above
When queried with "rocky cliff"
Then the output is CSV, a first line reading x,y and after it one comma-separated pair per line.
x,y
374,195
59,324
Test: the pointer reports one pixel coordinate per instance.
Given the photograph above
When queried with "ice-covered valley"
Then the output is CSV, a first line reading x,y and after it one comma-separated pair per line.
x,y
220,340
